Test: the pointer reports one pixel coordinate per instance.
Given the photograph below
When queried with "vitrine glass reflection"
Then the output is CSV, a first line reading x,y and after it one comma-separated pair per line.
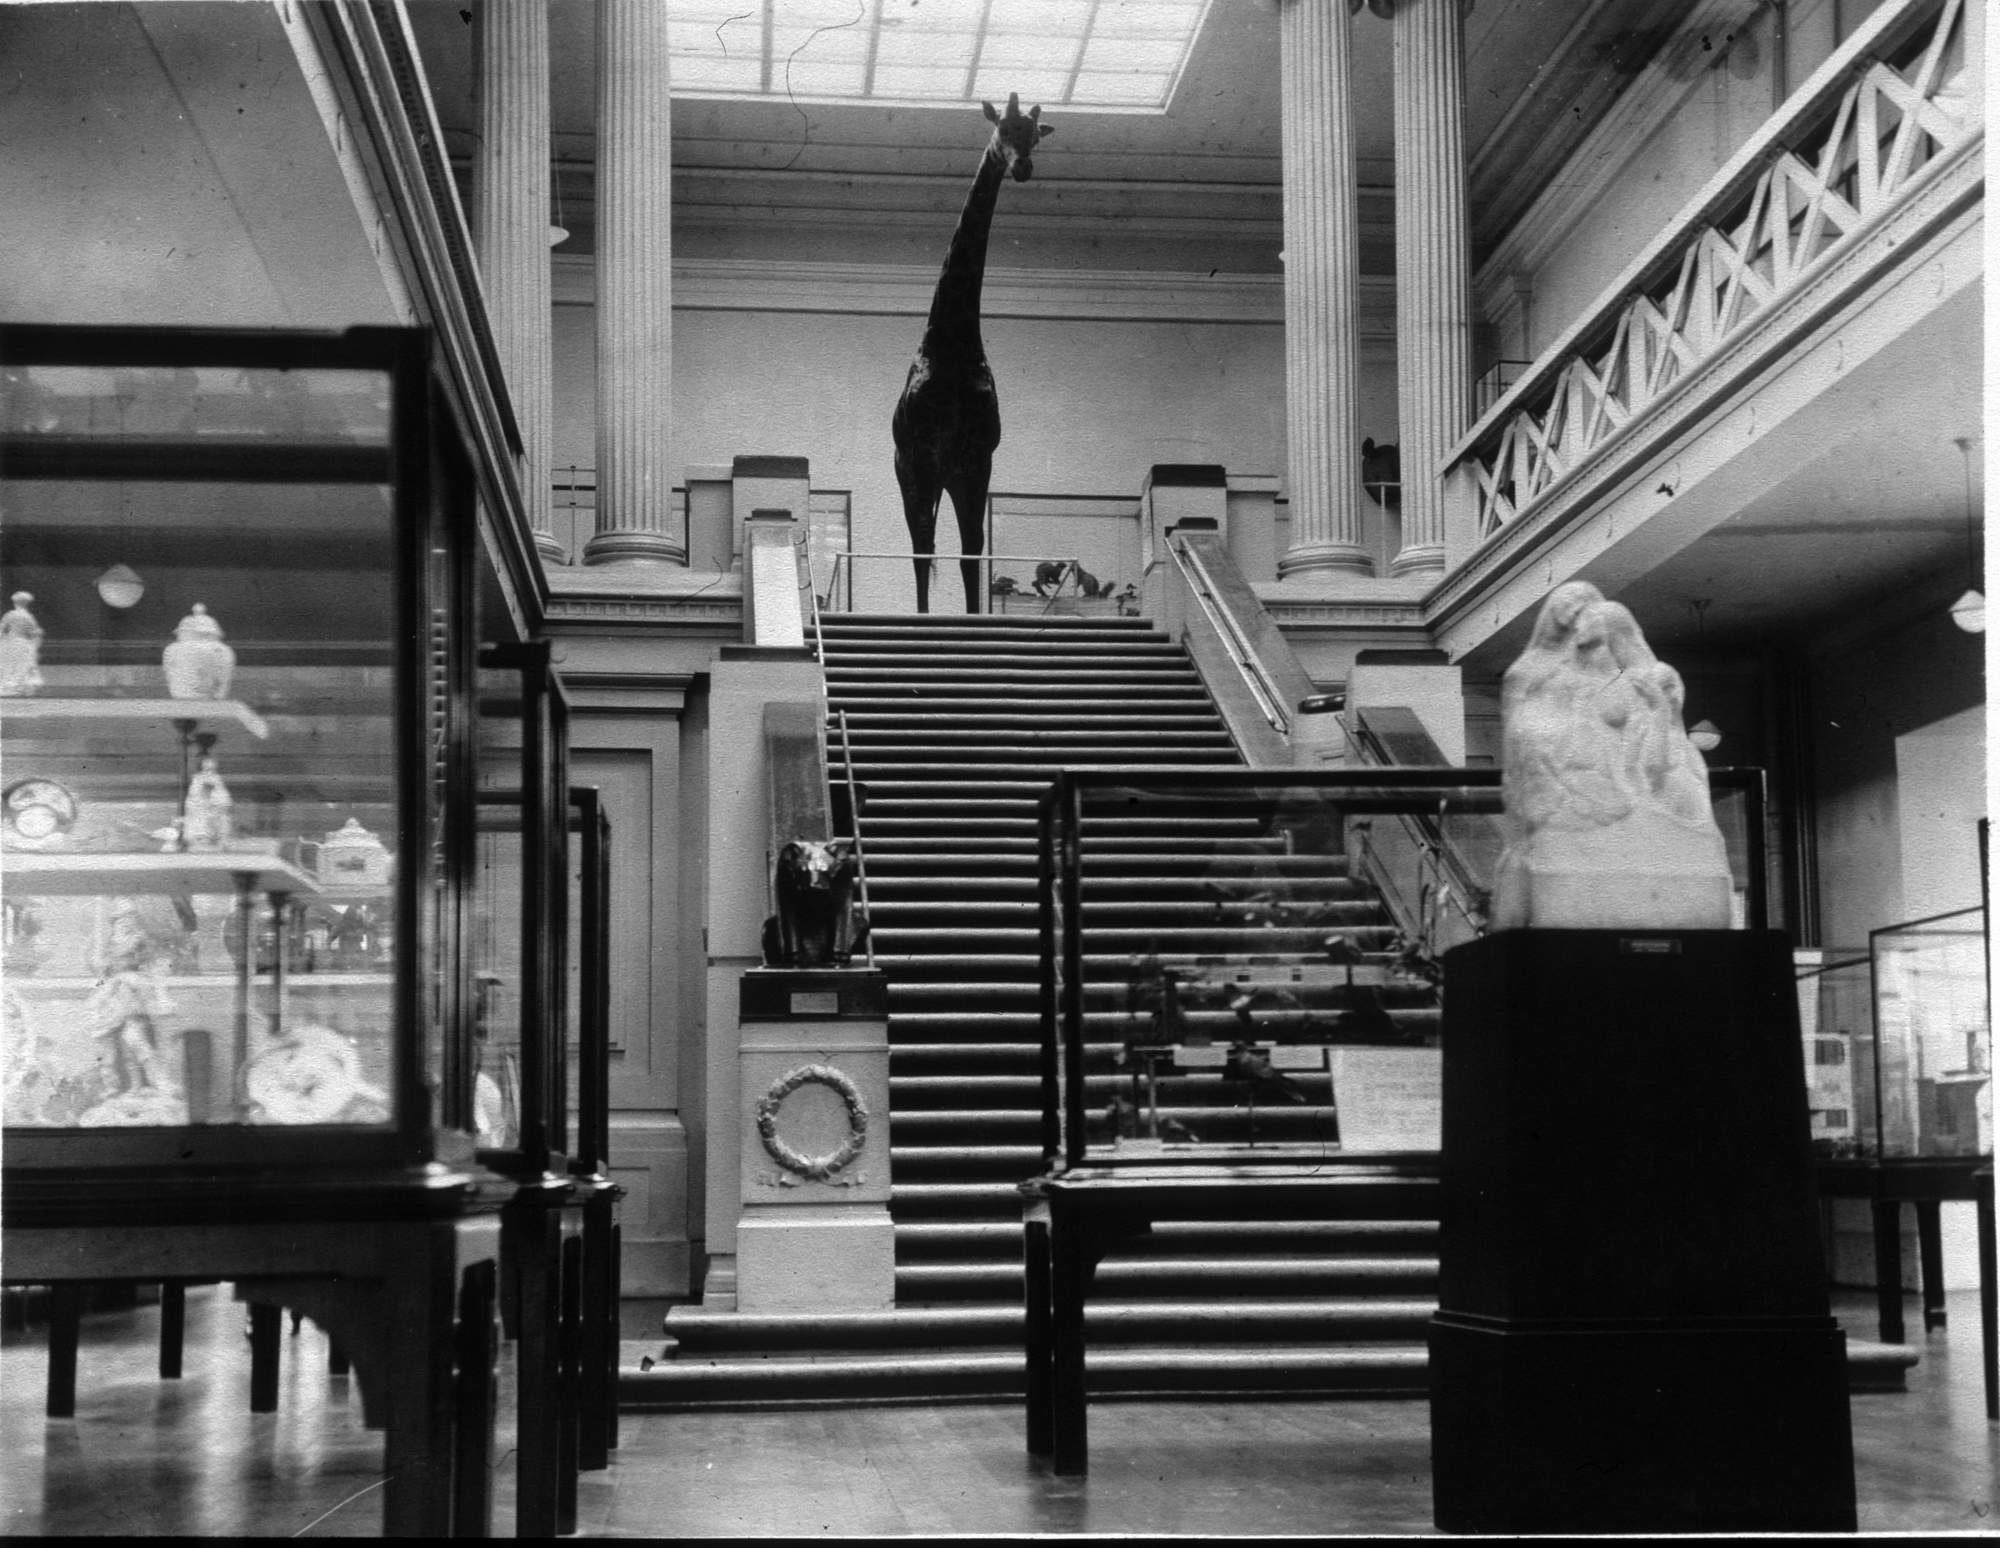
x,y
202,816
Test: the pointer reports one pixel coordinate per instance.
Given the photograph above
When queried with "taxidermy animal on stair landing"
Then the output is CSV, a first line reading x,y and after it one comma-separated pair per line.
x,y
947,422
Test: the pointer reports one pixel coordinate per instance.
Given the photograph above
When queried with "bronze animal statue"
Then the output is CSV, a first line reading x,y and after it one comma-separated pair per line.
x,y
817,923
947,422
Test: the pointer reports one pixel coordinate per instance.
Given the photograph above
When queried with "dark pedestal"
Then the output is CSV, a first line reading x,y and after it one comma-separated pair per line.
x,y
1688,1428
1633,1331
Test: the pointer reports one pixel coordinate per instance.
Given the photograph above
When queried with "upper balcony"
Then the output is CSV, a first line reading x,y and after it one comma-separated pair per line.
x,y
1775,387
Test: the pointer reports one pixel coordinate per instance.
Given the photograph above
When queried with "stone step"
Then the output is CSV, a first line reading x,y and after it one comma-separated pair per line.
x,y
1110,1372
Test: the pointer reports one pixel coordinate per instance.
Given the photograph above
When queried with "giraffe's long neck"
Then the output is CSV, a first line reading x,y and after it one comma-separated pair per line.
x,y
955,307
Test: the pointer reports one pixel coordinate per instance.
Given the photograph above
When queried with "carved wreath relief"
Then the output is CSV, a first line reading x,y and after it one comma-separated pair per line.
x,y
822,1168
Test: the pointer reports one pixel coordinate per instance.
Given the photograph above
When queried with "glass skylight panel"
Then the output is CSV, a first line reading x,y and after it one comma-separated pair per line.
x,y
1035,86
1122,55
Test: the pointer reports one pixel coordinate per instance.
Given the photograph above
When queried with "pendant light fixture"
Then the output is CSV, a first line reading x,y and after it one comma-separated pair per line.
x,y
1969,611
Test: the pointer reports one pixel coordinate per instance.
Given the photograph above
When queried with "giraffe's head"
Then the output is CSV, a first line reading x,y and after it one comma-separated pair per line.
x,y
1016,134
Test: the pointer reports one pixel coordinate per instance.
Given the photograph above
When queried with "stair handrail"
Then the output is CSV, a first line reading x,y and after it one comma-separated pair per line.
x,y
854,823
1461,887
1202,587
803,542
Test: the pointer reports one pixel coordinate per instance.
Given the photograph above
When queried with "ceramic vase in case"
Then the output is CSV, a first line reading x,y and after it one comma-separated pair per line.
x,y
198,663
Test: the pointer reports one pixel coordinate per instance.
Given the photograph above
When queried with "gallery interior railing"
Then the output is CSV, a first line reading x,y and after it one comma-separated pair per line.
x,y
1896,101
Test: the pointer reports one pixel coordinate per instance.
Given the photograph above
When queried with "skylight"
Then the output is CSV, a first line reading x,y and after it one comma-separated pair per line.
x,y
1109,55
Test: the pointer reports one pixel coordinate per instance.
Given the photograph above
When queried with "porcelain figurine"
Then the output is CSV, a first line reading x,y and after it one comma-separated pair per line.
x,y
20,649
207,822
1608,819
198,664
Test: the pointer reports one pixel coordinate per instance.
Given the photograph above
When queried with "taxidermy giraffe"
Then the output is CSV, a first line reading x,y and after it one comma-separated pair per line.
x,y
947,421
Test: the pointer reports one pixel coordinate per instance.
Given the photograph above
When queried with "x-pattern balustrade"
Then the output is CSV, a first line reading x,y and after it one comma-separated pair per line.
x,y
1834,167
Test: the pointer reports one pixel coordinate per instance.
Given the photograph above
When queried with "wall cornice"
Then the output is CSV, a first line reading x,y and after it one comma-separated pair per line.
x,y
1097,295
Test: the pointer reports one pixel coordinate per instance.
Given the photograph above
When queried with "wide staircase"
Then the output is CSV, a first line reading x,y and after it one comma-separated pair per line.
x,y
956,725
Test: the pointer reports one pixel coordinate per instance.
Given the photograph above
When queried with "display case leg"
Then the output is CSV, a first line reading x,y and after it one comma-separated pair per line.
x,y
1041,1348
267,1325
173,1327
569,1385
617,1326
596,1376
65,1333
1989,1296
1069,1273
534,1254
478,1340
1888,1268
419,1360
1930,1258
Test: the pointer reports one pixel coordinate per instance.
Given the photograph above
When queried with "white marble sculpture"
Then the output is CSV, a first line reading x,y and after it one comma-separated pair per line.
x,y
20,649
1607,811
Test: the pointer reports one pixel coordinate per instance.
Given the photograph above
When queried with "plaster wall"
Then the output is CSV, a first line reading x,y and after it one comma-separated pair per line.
x,y
1867,692
1087,406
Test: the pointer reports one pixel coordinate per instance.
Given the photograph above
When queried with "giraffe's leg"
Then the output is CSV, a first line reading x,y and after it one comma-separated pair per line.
x,y
968,504
920,505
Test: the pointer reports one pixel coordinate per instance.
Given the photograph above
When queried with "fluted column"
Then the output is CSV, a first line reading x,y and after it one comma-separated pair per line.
x,y
635,289
510,202
1433,267
1321,294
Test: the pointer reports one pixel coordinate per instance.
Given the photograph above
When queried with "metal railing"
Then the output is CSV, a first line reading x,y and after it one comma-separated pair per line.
x,y
1898,99
854,832
1237,645
1067,569
802,545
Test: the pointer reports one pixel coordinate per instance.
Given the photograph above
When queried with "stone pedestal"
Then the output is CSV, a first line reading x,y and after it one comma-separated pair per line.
x,y
1252,525
711,518
1633,1331
1424,682
744,680
815,1233
1176,492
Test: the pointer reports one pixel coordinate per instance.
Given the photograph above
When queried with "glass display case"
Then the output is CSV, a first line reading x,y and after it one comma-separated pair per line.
x,y
1245,965
589,991
518,909
238,839
1932,1067
1836,1029
233,686
1898,1046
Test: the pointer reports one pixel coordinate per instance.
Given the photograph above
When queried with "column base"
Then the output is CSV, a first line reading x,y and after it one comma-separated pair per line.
x,y
1302,563
634,546
552,552
1424,559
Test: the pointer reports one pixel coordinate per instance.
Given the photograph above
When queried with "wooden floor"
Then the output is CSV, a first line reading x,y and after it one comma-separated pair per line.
x,y
145,1456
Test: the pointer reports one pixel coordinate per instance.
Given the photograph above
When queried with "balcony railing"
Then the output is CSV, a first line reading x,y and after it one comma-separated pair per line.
x,y
1842,155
